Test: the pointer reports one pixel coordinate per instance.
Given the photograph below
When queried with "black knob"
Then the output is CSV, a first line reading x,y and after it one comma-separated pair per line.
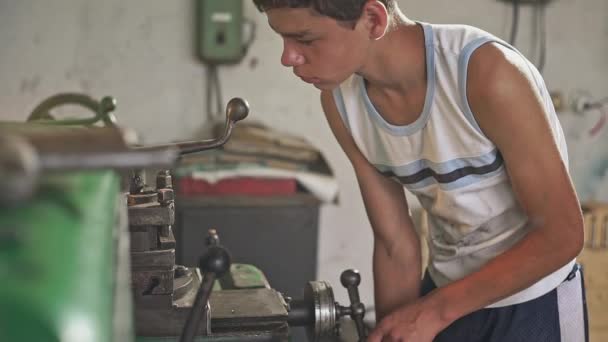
x,y
351,280
237,109
108,104
216,261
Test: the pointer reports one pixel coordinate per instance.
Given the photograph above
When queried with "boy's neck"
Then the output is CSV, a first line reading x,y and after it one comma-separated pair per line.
x,y
397,61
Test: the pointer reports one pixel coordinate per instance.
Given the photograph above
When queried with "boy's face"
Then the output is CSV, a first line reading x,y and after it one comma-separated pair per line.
x,y
320,50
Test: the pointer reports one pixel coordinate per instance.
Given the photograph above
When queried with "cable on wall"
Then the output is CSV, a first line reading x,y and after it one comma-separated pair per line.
x,y
582,102
514,22
252,33
597,128
541,24
214,85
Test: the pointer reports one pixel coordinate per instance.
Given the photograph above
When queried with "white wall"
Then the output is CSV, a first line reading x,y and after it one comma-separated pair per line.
x,y
140,51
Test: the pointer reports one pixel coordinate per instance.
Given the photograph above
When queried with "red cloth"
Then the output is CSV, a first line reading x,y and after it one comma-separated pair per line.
x,y
188,186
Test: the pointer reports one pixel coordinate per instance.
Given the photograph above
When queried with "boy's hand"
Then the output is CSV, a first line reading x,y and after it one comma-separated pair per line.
x,y
414,322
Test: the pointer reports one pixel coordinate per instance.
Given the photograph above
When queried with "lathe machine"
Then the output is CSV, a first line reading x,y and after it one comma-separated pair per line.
x,y
87,251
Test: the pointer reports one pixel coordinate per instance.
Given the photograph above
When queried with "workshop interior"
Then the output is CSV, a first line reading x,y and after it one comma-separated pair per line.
x,y
165,178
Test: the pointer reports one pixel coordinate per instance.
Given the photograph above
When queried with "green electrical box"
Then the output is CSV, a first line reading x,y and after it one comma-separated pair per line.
x,y
220,31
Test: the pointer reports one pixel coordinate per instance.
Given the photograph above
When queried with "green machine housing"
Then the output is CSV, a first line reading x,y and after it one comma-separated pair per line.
x,y
62,259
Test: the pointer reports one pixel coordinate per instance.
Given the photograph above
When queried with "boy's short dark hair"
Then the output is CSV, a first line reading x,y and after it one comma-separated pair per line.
x,y
341,10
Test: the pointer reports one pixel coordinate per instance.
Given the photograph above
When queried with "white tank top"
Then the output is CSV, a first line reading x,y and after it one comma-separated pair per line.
x,y
445,160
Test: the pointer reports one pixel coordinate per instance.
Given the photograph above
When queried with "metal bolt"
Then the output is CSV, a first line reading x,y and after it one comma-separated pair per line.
x,y
164,180
181,271
165,196
137,183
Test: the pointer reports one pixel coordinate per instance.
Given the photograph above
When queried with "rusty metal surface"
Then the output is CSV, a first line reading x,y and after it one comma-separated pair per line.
x,y
152,319
152,215
166,240
142,198
151,282
144,238
163,316
154,303
164,180
157,259
183,281
165,196
247,306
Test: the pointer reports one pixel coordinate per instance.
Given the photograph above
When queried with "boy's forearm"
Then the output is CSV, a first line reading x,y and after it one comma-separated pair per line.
x,y
533,258
397,277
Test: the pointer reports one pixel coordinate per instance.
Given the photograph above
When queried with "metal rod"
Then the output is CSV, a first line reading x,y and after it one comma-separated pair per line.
x,y
113,160
300,313
196,315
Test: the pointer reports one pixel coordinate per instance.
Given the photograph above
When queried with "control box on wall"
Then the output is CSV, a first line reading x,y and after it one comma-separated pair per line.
x,y
220,31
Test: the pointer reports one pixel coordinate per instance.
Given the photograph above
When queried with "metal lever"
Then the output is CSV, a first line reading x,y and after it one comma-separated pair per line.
x,y
236,110
103,110
351,279
214,263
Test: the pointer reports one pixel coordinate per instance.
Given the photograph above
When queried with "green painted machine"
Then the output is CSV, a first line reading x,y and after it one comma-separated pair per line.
x,y
87,251
56,286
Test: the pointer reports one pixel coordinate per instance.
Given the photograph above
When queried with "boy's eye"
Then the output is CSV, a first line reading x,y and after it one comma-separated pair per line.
x,y
305,41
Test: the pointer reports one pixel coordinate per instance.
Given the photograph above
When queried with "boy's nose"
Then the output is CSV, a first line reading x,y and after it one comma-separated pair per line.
x,y
291,57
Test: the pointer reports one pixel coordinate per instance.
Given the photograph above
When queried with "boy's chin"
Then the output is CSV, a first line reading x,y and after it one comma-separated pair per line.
x,y
325,86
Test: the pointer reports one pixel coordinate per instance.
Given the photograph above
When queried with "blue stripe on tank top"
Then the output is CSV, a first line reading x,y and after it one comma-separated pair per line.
x,y
449,175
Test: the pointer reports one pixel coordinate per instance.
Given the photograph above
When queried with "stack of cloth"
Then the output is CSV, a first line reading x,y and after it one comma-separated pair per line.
x,y
258,161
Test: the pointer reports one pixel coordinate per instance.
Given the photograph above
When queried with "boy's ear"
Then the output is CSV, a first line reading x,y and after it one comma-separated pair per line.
x,y
374,19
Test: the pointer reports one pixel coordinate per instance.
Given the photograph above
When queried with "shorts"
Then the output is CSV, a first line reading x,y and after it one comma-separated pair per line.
x,y
558,316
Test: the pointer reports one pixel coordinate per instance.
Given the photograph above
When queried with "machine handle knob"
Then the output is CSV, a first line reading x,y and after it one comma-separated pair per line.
x,y
237,109
351,279
214,263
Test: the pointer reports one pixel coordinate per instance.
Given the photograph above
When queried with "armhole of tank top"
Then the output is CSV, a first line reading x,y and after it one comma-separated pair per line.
x,y
463,68
463,71
339,101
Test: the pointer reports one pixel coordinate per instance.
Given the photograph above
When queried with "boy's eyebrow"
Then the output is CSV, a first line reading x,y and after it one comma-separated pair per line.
x,y
298,34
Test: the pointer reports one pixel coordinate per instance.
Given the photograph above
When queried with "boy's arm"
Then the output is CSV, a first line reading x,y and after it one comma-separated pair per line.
x,y
396,261
510,112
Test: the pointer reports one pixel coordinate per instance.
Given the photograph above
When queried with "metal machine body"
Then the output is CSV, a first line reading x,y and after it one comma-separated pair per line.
x,y
67,259
164,293
62,262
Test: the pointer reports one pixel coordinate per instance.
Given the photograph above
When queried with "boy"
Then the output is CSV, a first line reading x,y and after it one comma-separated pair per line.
x,y
464,122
